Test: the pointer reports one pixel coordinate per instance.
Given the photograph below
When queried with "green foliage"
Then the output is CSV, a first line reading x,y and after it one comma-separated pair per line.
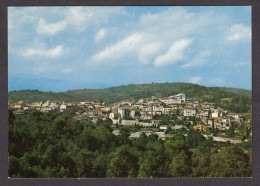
x,y
153,160
100,164
165,119
127,117
147,168
237,91
124,134
180,165
201,162
195,138
14,166
230,162
104,135
46,145
230,131
122,164
140,143
84,163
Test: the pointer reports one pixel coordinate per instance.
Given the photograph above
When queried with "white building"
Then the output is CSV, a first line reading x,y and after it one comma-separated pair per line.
x,y
36,104
54,104
179,98
134,135
63,107
46,109
129,122
189,111
132,113
46,104
114,115
122,112
164,127
214,114
156,122
18,105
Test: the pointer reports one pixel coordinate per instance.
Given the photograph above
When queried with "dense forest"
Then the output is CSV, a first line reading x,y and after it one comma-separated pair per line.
x,y
55,145
236,100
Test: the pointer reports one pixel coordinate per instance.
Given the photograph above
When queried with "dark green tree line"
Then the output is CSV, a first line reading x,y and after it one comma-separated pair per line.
x,y
55,145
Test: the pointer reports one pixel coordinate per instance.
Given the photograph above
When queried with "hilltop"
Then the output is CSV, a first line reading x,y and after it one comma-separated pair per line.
x,y
112,94
237,91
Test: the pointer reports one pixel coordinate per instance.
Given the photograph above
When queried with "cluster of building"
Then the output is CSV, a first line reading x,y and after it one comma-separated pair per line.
x,y
47,106
202,115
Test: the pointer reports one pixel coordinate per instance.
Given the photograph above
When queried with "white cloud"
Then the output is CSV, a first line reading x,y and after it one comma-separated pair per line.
x,y
241,64
195,79
176,23
18,16
42,68
82,17
172,15
47,53
239,32
198,60
148,51
174,54
215,82
77,16
160,31
50,28
67,70
120,49
100,35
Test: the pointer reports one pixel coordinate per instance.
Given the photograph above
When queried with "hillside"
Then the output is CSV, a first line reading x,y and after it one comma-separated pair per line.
x,y
112,94
237,91
238,101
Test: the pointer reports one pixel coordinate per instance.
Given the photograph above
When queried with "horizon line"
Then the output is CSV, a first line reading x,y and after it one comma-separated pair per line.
x,y
211,86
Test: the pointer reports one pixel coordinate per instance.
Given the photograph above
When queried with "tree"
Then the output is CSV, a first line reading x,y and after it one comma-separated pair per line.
x,y
175,146
178,156
201,162
84,163
100,166
13,166
153,162
103,135
147,169
123,164
11,117
230,162
230,132
152,137
140,142
195,138
123,137
36,115
180,165
87,140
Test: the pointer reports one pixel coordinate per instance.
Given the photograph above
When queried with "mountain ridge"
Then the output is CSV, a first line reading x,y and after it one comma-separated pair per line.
x,y
238,100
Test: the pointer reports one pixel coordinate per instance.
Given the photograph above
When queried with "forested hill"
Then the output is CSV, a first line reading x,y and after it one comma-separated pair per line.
x,y
237,91
239,101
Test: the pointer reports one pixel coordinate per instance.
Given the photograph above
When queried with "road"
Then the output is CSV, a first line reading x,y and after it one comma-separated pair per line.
x,y
222,139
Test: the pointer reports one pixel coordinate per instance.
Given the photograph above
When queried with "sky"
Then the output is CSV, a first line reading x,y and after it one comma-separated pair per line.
x,y
66,48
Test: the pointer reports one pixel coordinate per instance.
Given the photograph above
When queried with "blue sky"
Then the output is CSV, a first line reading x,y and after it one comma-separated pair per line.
x,y
66,48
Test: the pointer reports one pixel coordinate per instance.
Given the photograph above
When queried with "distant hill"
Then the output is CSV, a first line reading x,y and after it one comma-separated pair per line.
x,y
112,94
237,91
18,82
239,100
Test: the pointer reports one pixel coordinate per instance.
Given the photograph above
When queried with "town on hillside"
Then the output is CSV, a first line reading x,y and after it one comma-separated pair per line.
x,y
148,114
